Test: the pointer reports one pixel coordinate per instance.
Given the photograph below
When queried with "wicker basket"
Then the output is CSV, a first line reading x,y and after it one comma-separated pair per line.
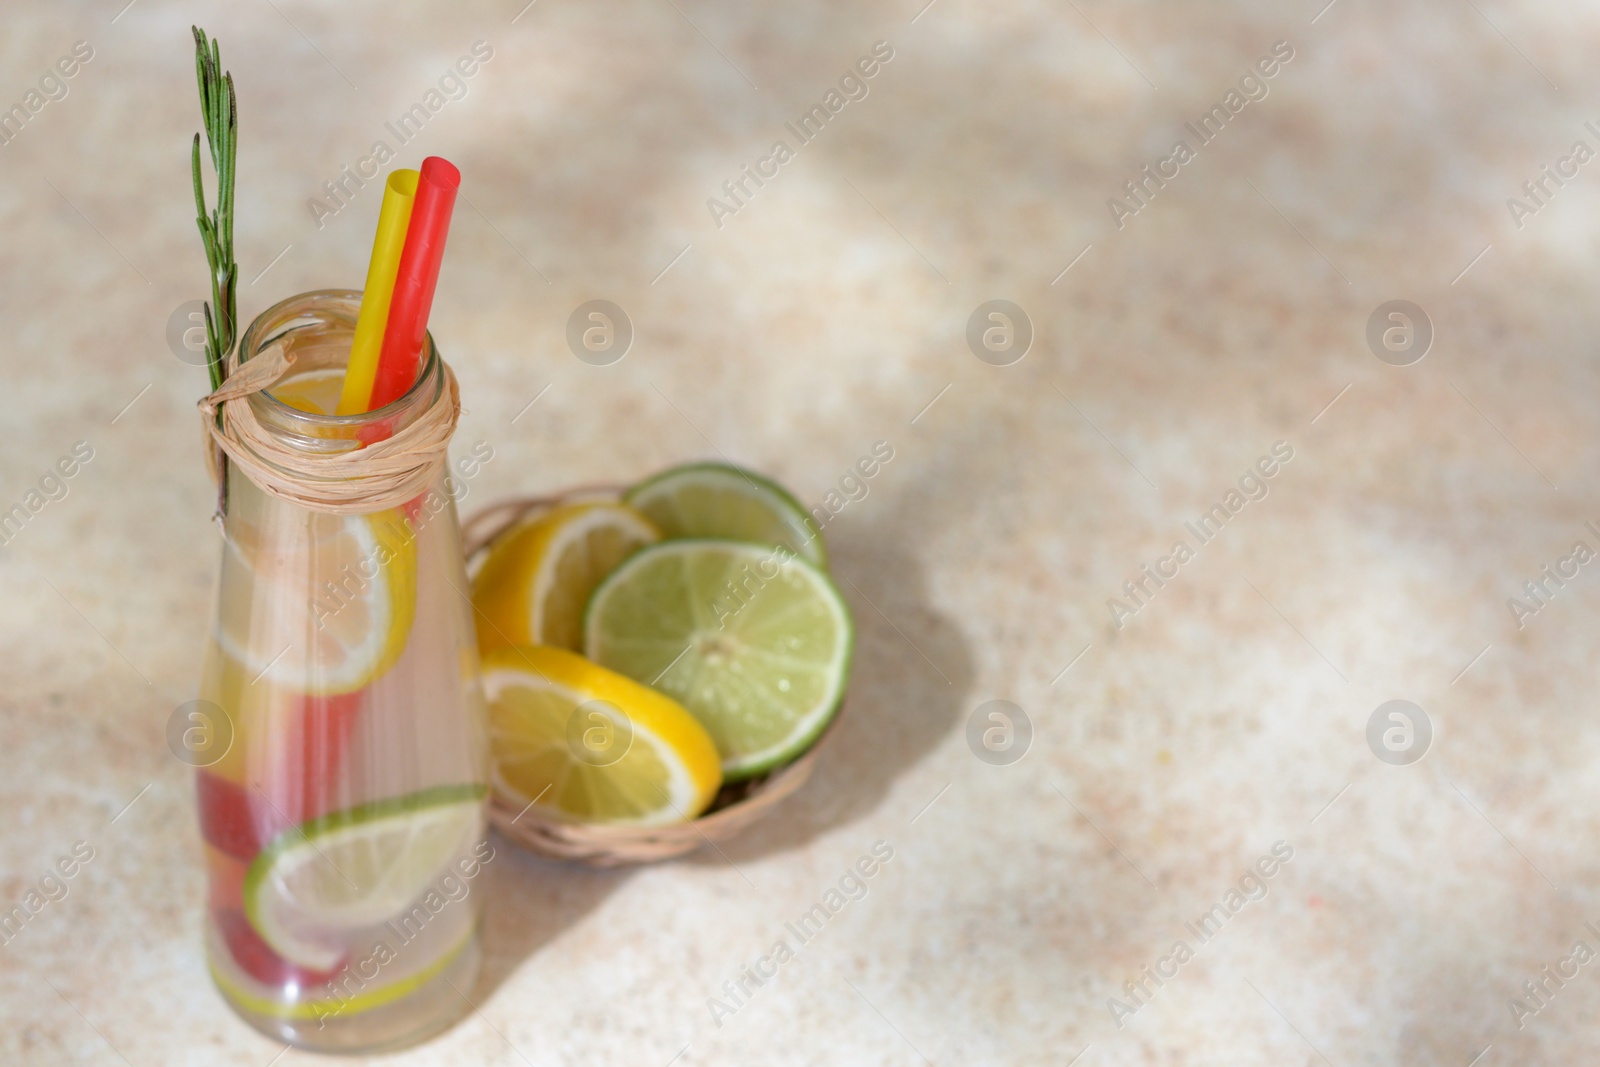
x,y
736,806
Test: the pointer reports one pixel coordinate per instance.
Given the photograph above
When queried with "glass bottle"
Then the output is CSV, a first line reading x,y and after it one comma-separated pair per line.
x,y
344,825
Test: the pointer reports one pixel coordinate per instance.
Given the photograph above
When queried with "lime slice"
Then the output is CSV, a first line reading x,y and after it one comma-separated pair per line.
x,y
341,1004
315,884
721,500
752,640
587,743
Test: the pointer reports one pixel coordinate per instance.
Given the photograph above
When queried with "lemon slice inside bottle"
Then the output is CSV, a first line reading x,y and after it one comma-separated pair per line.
x,y
315,603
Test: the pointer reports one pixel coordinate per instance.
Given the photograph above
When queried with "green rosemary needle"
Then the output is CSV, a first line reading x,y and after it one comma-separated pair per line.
x,y
220,112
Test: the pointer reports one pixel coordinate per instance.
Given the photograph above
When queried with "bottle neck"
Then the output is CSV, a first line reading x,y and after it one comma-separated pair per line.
x,y
317,328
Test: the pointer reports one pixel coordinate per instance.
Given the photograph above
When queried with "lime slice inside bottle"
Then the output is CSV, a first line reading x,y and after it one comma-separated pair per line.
x,y
721,500
317,883
755,642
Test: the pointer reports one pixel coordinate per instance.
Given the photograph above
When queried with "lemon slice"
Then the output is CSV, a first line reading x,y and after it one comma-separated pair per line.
x,y
753,640
318,882
589,744
535,580
721,500
316,391
315,603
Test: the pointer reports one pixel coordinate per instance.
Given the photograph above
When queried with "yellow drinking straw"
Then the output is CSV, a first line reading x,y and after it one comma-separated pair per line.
x,y
393,218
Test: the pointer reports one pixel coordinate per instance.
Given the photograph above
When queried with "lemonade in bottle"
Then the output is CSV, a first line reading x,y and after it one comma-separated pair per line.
x,y
344,827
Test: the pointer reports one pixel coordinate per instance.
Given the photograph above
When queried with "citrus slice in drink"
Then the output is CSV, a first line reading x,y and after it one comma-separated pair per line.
x,y
535,580
589,744
317,883
721,500
255,958
753,640
316,391
339,1001
326,615
298,773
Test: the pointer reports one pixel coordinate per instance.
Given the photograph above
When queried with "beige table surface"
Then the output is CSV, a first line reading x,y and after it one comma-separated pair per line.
x,y
827,313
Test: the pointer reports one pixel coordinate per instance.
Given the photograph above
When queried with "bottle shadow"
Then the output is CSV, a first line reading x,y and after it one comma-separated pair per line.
x,y
528,901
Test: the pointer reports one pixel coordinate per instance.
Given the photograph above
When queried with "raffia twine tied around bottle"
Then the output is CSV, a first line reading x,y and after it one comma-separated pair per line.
x,y
384,474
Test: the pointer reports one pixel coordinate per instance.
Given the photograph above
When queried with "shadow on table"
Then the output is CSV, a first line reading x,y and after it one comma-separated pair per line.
x,y
529,901
911,674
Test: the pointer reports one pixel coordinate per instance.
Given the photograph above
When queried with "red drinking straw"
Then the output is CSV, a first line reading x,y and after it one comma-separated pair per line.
x,y
415,281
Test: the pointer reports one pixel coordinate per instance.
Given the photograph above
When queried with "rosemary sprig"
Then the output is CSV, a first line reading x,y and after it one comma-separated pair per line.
x,y
220,112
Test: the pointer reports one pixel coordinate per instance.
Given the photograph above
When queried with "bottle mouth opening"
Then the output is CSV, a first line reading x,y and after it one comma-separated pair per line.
x,y
319,326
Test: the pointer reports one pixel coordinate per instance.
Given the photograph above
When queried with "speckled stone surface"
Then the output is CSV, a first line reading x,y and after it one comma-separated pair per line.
x,y
828,311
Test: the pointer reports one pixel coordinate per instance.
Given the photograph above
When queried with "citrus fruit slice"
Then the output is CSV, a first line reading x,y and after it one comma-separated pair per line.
x,y
314,884
256,959
315,391
535,580
298,775
752,640
589,744
232,820
721,500
322,608
338,1002
289,745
